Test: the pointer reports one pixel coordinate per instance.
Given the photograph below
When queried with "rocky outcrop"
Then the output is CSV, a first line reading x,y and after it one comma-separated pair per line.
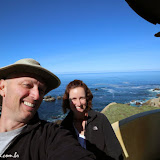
x,y
59,97
156,89
153,102
49,99
138,103
158,95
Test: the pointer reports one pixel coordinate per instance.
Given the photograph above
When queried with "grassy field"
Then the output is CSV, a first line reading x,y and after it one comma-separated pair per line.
x,y
117,111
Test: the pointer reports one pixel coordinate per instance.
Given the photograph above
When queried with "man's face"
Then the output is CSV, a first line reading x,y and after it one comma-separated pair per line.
x,y
23,94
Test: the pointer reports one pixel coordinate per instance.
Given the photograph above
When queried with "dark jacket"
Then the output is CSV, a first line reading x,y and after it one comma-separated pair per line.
x,y
100,137
41,140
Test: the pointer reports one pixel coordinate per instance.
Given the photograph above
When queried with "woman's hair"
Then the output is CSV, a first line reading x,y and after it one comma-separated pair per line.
x,y
75,84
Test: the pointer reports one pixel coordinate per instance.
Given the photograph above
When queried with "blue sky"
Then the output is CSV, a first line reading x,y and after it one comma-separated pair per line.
x,y
72,36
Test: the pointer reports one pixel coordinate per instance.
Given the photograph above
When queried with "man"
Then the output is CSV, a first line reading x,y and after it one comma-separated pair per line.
x,y
22,134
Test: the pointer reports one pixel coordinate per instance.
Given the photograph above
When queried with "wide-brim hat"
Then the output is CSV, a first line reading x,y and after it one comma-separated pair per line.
x,y
29,65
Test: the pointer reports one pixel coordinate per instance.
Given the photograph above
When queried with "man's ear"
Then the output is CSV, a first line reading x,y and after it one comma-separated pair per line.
x,y
2,86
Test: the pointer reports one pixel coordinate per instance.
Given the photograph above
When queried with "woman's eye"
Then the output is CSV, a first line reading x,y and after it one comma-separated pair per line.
x,y
72,99
83,98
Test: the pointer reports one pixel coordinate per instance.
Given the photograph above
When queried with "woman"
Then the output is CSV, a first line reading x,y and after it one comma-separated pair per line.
x,y
92,129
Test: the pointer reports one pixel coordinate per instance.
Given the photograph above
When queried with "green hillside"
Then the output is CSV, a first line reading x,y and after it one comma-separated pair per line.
x,y
117,111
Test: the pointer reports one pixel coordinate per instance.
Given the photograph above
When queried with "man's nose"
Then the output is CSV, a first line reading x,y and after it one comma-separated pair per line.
x,y
35,93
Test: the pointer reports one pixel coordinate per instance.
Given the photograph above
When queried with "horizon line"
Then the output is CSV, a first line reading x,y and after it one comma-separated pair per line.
x,y
96,72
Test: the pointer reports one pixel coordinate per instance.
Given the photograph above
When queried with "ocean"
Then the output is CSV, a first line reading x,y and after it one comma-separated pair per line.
x,y
119,87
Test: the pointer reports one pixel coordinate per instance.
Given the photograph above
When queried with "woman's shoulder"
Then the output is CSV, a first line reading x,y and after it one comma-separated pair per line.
x,y
97,115
94,112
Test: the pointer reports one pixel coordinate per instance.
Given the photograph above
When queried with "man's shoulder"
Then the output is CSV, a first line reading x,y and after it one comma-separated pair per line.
x,y
41,126
48,125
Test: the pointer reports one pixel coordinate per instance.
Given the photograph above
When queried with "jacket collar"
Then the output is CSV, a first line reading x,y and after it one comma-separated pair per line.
x,y
91,116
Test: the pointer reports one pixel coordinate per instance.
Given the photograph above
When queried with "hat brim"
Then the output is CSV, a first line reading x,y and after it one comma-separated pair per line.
x,y
51,80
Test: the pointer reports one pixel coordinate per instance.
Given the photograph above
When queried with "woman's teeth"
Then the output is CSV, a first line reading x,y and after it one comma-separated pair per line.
x,y
29,104
78,107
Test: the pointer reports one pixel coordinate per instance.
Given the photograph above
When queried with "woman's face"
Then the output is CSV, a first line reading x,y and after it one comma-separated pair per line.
x,y
78,101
